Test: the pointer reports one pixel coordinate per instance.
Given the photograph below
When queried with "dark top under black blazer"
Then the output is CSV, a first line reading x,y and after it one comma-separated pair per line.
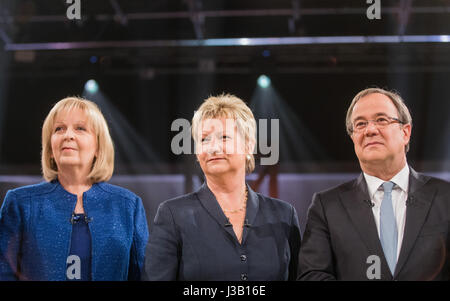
x,y
190,240
341,234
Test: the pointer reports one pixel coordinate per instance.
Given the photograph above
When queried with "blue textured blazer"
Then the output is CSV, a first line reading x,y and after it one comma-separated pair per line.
x,y
35,232
191,240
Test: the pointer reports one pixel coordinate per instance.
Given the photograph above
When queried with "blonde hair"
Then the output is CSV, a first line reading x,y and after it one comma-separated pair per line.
x,y
103,165
229,106
402,109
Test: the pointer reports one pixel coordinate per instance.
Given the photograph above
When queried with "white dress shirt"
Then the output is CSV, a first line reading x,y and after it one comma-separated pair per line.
x,y
399,197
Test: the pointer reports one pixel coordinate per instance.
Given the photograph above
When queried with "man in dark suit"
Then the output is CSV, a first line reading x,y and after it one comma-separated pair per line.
x,y
391,223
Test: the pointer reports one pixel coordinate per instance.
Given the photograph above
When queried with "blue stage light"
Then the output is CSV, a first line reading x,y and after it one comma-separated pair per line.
x,y
91,86
263,81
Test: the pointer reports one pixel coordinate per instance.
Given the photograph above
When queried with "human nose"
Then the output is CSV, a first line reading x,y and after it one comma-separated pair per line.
x,y
69,134
214,147
371,127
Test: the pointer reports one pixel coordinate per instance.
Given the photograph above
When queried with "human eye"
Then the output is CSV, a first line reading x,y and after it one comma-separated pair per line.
x,y
205,139
382,120
359,125
58,128
81,128
226,137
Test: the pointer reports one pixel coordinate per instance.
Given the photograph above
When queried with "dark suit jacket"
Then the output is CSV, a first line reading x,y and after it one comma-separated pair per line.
x,y
191,241
341,234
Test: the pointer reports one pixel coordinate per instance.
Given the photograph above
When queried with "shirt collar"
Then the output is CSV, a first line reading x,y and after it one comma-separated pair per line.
x,y
401,179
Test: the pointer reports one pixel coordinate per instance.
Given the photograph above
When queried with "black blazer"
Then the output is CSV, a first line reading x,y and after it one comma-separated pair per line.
x,y
190,240
341,234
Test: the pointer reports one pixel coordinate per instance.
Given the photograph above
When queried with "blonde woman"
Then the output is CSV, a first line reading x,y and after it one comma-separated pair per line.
x,y
225,230
73,226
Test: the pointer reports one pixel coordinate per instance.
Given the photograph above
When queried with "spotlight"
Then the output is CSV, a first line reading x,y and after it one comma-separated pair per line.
x,y
244,41
91,86
93,59
263,81
444,38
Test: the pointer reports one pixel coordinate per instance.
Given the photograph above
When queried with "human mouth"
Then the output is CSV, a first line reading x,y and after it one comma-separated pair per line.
x,y
373,143
215,159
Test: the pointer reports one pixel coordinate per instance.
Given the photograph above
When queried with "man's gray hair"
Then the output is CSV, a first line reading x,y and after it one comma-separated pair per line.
x,y
402,109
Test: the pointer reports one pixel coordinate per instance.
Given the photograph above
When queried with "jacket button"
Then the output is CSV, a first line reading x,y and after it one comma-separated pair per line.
x,y
243,257
244,276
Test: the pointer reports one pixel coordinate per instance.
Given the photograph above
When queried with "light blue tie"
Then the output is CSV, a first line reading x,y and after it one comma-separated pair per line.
x,y
388,227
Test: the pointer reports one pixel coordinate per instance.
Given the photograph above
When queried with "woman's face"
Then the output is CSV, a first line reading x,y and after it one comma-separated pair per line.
x,y
220,148
73,141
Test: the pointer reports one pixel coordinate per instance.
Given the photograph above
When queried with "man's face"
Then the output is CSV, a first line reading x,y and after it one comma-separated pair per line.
x,y
374,144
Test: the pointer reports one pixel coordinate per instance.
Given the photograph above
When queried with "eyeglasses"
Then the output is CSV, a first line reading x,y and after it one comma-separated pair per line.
x,y
380,122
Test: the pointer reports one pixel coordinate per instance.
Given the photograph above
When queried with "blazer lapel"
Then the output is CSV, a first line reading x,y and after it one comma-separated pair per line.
x,y
356,201
251,211
417,207
209,202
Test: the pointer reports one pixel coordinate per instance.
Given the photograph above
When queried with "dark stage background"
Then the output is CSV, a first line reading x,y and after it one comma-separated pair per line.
x,y
156,61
